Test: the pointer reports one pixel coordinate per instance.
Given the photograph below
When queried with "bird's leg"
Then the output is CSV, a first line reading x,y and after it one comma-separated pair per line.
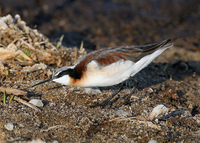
x,y
105,102
127,98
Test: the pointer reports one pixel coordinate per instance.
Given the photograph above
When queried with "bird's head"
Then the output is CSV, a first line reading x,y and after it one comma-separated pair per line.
x,y
62,76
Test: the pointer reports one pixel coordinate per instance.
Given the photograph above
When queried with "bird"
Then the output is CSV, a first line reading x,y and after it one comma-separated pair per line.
x,y
109,66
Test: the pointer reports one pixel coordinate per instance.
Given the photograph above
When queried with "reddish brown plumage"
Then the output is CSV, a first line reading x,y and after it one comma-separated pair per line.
x,y
110,55
82,64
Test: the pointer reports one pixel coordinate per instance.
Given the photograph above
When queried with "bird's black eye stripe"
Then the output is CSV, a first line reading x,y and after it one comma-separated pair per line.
x,y
62,73
71,72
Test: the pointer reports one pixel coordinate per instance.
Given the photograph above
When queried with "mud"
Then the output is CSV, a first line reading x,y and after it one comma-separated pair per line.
x,y
69,113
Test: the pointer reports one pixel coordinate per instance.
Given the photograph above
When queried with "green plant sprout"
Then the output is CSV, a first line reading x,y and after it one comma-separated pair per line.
x,y
11,98
7,73
81,46
4,97
27,52
59,43
129,84
22,58
165,68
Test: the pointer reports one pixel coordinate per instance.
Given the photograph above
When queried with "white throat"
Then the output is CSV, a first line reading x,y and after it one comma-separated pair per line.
x,y
63,80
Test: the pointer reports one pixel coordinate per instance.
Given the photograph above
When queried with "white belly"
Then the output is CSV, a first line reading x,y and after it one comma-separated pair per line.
x,y
108,75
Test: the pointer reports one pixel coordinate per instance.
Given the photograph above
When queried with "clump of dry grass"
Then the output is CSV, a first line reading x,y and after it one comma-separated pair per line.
x,y
25,50
19,43
22,46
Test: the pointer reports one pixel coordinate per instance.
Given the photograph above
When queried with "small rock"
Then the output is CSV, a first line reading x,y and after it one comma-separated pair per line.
x,y
21,125
73,103
52,104
9,126
153,141
156,120
36,141
160,109
17,17
122,113
150,90
93,90
36,102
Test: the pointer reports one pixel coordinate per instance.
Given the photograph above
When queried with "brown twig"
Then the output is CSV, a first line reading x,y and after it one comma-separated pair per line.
x,y
26,103
54,127
140,120
128,118
9,90
59,126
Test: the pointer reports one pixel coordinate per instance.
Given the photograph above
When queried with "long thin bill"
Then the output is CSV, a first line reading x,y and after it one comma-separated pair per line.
x,y
47,80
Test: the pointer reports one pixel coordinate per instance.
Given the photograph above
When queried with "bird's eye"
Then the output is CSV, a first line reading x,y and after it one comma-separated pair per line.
x,y
62,73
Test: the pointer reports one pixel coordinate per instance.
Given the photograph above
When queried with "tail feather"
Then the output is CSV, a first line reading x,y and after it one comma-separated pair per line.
x,y
152,47
148,58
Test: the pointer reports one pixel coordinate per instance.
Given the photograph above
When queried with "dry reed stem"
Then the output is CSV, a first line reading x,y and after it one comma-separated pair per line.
x,y
26,103
9,90
139,119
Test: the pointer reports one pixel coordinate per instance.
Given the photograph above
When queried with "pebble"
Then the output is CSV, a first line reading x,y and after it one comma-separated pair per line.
x,y
52,104
153,141
36,141
160,109
122,113
150,90
92,90
21,125
36,102
9,126
73,103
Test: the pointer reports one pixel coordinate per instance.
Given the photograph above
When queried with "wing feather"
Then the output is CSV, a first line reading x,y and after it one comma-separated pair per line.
x,y
110,55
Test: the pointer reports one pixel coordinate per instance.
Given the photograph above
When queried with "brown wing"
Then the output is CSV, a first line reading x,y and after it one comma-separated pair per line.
x,y
113,54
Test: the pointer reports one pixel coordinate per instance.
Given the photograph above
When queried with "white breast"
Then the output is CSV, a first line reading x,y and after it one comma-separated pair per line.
x,y
63,80
108,75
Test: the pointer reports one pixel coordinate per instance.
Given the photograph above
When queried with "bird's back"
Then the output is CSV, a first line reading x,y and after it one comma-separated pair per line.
x,y
113,65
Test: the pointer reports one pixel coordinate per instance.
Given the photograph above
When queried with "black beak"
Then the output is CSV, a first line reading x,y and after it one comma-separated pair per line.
x,y
47,80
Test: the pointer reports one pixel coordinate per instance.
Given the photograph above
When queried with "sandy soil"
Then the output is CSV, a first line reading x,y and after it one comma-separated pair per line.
x,y
68,114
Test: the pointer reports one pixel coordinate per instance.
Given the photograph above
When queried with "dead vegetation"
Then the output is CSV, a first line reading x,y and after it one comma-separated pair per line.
x,y
23,49
27,56
23,46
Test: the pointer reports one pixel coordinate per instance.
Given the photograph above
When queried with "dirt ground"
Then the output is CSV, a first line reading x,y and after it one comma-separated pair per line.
x,y
69,113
